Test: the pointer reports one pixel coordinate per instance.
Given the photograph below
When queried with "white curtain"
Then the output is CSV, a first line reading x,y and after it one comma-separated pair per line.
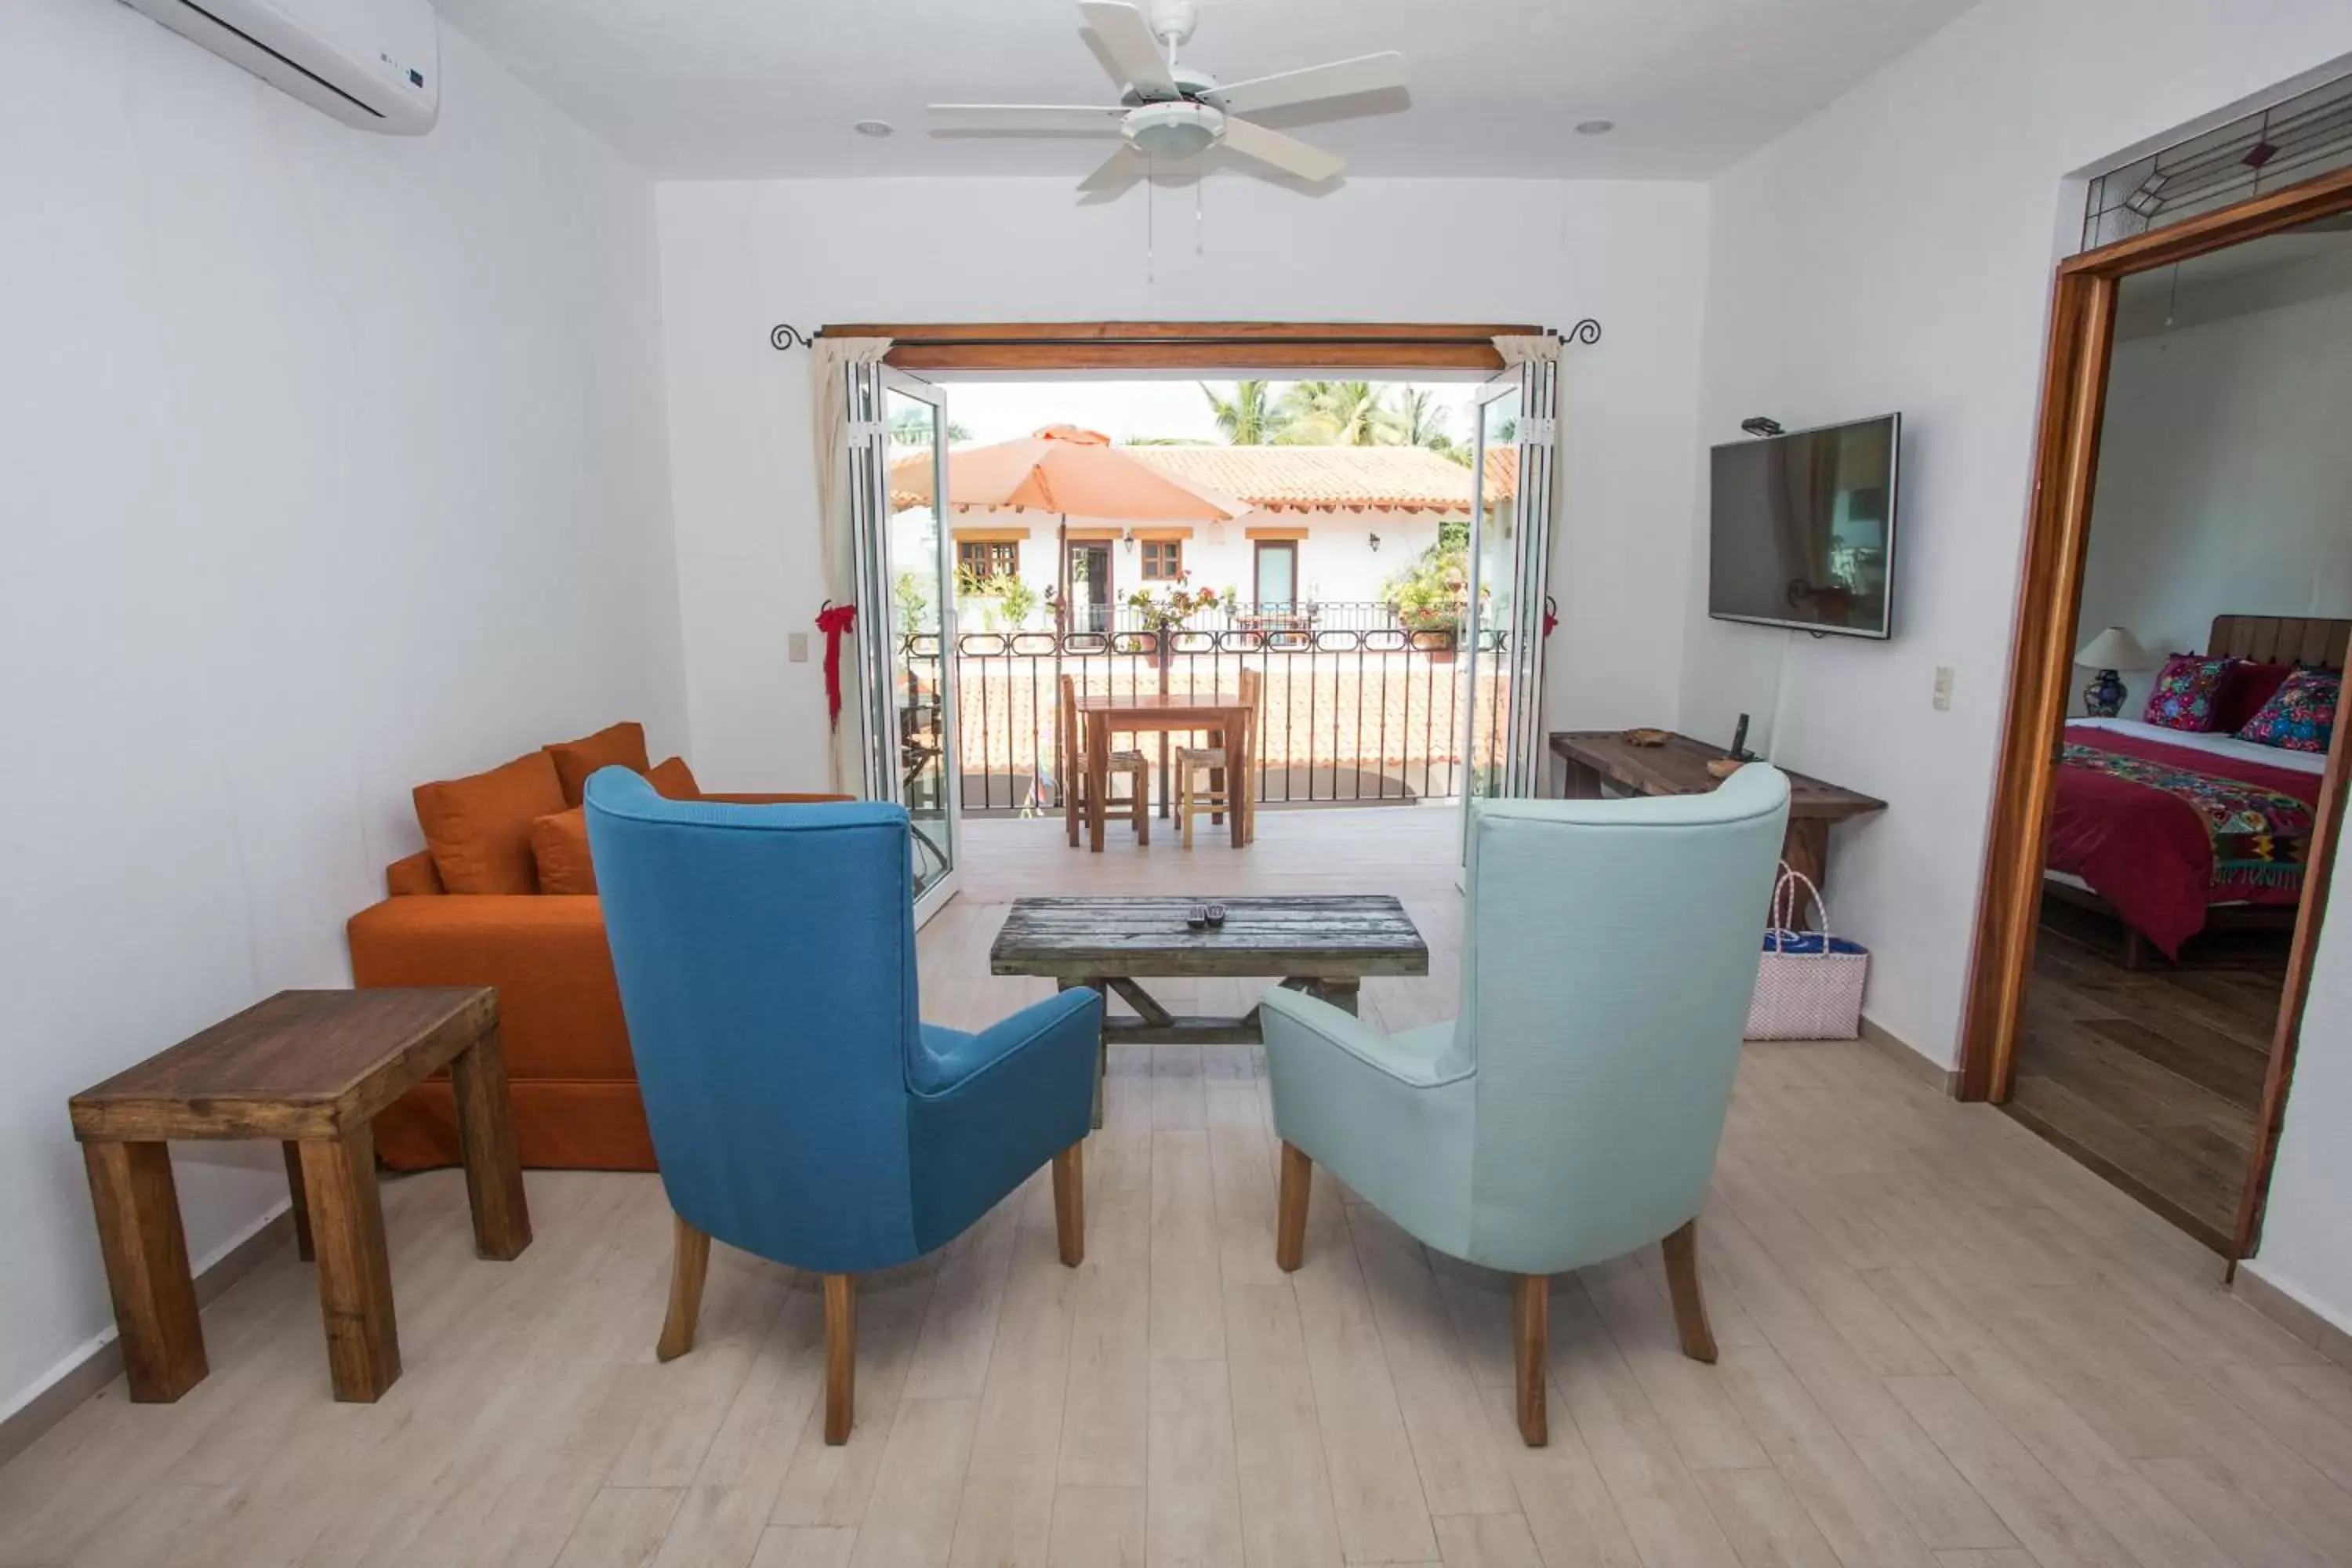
x,y
1518,350
1541,349
830,364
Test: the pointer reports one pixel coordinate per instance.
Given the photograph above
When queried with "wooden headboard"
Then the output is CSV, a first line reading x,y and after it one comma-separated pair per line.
x,y
2280,639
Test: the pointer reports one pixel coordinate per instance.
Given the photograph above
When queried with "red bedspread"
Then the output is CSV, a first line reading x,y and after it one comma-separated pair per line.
x,y
2140,820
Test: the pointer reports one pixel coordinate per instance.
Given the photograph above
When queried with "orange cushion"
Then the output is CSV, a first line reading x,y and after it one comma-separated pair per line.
x,y
478,829
672,780
559,847
617,746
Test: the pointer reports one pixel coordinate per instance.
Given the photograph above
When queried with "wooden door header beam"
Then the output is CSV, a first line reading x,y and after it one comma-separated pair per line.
x,y
2283,209
1189,345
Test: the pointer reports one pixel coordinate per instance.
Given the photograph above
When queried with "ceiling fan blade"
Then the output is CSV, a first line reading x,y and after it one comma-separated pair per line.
x,y
1117,171
1070,118
1286,153
1127,38
1366,73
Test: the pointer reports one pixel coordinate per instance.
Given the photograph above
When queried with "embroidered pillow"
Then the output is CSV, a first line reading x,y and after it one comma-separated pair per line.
x,y
2300,715
2184,691
2248,686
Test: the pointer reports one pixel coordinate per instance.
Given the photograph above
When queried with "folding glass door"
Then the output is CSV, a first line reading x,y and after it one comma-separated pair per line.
x,y
906,620
1508,567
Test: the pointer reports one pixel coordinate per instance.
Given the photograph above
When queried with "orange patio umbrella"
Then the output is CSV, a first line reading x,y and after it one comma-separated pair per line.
x,y
1064,470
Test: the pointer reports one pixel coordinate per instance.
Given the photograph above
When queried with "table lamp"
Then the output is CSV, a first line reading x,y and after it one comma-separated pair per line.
x,y
2112,650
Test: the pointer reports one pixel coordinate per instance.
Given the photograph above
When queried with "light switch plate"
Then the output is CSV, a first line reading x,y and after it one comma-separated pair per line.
x,y
796,648
1943,689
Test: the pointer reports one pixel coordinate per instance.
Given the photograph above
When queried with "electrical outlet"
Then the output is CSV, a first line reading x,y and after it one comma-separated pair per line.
x,y
796,648
1943,689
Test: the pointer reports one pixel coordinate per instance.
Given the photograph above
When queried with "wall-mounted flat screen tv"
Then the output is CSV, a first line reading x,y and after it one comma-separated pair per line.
x,y
1801,529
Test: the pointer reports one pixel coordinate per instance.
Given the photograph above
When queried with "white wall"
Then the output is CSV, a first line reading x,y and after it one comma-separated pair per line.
x,y
1893,251
738,258
2223,466
329,463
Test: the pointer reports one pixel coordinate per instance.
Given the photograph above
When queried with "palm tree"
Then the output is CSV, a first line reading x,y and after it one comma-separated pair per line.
x,y
1247,418
1425,421
1339,414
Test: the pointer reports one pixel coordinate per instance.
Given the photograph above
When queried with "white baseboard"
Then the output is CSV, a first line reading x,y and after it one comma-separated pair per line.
x,y
99,1359
1909,1058
2292,1312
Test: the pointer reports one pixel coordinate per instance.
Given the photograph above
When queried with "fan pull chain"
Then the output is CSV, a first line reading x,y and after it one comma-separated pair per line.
x,y
1148,232
1199,184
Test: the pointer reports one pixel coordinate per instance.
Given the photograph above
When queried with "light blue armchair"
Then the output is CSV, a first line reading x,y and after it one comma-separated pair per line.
x,y
1571,1111
800,1108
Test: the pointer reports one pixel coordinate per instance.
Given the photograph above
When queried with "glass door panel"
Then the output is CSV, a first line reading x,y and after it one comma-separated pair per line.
x,y
1505,604
1490,614
911,679
1277,586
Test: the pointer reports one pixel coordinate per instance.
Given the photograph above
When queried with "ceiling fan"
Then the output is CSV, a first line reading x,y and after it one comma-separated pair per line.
x,y
1171,111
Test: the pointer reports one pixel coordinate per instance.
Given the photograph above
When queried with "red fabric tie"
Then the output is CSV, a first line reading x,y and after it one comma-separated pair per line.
x,y
834,621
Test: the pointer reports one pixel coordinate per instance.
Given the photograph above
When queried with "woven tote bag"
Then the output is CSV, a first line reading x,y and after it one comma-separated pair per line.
x,y
1808,983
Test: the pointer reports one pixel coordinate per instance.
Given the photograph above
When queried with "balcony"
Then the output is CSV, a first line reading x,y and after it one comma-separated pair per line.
x,y
1359,708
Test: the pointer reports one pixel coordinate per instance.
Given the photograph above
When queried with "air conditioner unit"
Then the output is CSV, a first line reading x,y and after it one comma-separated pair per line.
x,y
375,64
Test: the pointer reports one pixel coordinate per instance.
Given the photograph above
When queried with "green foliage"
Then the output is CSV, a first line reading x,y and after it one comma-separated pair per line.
x,y
1340,413
1247,418
1019,600
1430,593
913,604
998,599
1166,611
1425,423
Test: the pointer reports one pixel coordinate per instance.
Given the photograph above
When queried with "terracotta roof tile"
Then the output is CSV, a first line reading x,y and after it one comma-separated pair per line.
x,y
1319,478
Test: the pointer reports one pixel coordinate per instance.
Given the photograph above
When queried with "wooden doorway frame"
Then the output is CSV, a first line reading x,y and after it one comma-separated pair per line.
x,y
2065,464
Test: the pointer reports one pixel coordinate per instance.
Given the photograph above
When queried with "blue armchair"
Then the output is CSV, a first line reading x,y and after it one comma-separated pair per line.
x,y
800,1108
1571,1111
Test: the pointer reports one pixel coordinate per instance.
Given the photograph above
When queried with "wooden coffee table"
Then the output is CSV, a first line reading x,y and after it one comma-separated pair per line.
x,y
1324,945
310,1069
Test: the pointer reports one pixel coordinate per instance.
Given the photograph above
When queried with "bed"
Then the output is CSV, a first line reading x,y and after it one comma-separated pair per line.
x,y
2172,833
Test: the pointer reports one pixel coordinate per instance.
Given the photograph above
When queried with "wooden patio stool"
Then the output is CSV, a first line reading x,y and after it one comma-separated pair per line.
x,y
310,1069
1229,769
1134,765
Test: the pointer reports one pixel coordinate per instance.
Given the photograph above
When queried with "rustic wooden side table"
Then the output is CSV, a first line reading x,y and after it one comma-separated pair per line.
x,y
310,1069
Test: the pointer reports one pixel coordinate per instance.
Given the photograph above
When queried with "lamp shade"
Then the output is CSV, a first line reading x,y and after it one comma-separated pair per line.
x,y
2113,649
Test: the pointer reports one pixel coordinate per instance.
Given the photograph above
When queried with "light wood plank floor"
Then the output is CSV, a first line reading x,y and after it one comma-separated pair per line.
x,y
1945,1345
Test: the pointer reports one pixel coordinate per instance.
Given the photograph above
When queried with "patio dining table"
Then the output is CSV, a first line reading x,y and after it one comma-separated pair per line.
x,y
1221,715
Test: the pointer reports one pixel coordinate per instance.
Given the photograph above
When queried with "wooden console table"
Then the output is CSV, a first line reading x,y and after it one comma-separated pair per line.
x,y
1679,767
310,1069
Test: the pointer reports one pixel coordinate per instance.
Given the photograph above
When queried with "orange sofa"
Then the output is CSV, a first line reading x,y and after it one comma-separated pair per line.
x,y
571,1082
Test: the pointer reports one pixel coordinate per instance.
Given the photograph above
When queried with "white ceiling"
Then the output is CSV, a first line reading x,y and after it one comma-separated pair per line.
x,y
743,88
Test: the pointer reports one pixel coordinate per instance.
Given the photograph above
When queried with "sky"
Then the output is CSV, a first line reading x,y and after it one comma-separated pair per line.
x,y
1168,407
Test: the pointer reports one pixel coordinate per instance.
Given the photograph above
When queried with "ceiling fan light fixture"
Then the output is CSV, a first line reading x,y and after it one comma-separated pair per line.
x,y
1174,130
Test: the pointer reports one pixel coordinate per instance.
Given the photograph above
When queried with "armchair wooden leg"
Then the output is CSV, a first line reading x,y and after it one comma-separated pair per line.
x,y
1531,1341
1682,1284
1141,783
689,1260
1290,1217
1070,1203
840,1356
